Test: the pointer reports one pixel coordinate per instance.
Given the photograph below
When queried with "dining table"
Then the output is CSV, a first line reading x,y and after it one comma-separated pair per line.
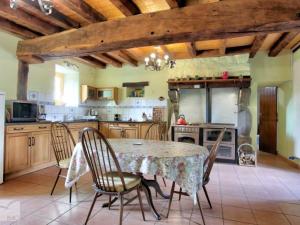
x,y
177,161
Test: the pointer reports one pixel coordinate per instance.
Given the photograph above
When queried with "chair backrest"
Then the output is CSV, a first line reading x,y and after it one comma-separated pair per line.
x,y
209,162
102,160
62,141
157,131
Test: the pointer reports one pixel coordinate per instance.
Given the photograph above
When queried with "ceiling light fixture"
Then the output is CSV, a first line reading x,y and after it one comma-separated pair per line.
x,y
46,6
156,63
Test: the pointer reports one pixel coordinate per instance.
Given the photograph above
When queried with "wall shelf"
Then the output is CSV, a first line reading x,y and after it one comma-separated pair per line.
x,y
210,82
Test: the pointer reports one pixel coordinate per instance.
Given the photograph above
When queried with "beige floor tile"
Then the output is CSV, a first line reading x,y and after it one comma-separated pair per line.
x,y
294,220
290,208
238,214
231,222
270,218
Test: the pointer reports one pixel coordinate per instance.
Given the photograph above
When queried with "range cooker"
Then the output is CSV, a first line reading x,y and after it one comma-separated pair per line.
x,y
206,135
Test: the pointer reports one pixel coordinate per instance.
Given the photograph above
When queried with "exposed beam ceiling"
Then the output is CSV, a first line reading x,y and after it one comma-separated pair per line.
x,y
127,7
222,48
16,29
283,41
91,61
192,49
257,43
198,22
79,11
31,9
24,19
107,59
125,56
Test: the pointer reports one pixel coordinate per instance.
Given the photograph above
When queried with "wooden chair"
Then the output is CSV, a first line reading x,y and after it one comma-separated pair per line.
x,y
106,172
208,165
63,144
157,131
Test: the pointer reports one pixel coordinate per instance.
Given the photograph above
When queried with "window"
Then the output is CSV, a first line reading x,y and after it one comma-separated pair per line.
x,y
66,86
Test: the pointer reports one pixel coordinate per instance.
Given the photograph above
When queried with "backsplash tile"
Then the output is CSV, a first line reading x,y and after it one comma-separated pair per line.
x,y
132,108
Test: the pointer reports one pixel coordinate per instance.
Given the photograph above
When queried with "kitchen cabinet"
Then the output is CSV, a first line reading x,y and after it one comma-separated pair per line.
x,y
28,147
88,93
107,94
17,152
103,128
123,130
40,148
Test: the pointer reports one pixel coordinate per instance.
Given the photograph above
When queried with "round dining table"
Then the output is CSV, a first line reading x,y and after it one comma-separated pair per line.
x,y
176,161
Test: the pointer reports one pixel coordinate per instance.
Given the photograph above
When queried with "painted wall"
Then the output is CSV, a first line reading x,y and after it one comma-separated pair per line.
x,y
41,76
114,77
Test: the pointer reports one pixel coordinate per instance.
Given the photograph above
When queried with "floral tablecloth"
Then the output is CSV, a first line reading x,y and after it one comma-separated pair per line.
x,y
176,161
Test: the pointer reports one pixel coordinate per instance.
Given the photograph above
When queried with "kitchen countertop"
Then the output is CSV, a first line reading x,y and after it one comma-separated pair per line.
x,y
208,125
75,121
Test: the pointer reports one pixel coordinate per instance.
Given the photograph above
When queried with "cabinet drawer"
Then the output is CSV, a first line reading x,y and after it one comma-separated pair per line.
x,y
123,125
79,126
27,128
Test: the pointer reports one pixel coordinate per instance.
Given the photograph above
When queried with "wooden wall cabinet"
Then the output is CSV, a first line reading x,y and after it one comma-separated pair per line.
x,y
88,93
107,94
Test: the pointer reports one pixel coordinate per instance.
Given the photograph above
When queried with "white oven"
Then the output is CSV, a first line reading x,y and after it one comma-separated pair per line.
x,y
212,134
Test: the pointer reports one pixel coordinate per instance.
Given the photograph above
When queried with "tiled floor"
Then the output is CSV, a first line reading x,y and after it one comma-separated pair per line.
x,y
266,195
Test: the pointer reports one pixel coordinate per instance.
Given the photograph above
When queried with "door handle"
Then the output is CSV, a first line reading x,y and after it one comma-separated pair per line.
x,y
29,141
33,141
20,128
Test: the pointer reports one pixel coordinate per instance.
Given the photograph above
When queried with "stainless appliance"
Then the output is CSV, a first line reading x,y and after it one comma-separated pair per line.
x,y
22,111
227,149
187,134
117,117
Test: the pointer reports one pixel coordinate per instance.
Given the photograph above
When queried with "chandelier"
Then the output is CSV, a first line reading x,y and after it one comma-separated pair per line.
x,y
45,5
156,63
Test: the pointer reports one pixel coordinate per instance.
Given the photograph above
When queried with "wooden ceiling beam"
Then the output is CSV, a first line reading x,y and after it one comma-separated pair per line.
x,y
191,47
125,56
222,48
176,3
16,29
165,50
229,51
78,10
24,19
88,60
197,22
27,6
107,59
127,7
257,43
282,42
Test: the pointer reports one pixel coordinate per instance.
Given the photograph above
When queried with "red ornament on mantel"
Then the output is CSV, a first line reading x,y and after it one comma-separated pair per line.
x,y
225,75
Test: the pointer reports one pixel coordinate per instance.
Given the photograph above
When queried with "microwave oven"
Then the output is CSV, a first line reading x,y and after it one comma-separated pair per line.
x,y
22,111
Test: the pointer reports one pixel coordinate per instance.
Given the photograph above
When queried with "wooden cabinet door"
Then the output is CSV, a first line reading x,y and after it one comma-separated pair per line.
x,y
103,128
143,129
75,134
17,152
40,148
131,133
115,132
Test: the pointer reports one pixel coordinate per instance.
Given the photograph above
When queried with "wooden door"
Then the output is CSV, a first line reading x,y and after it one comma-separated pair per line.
x,y
40,148
17,152
131,133
267,128
115,132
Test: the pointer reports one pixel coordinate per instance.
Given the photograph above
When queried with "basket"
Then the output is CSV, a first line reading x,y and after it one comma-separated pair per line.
x,y
247,155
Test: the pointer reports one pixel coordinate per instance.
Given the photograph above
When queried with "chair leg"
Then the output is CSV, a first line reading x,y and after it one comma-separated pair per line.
x,y
91,208
155,178
109,202
171,198
141,203
207,197
56,180
199,205
121,209
164,180
180,190
70,196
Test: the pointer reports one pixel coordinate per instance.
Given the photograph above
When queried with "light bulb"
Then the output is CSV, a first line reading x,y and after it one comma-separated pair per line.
x,y
166,57
147,59
153,56
158,61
